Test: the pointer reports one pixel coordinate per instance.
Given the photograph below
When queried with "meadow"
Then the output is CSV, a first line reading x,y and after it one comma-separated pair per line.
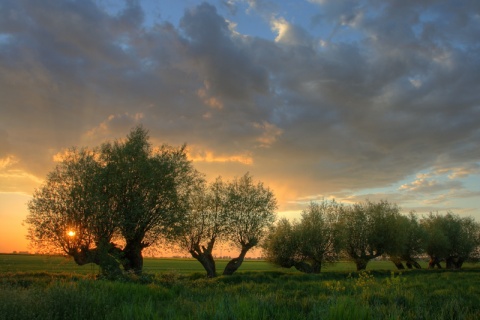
x,y
42,287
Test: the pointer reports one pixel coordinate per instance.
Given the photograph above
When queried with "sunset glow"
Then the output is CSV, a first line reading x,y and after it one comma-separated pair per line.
x,y
334,99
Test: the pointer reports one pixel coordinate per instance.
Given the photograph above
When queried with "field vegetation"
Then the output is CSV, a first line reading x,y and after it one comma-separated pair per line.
x,y
177,289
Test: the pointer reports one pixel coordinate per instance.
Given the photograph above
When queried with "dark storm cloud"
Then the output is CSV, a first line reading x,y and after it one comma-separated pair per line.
x,y
391,89
222,57
390,102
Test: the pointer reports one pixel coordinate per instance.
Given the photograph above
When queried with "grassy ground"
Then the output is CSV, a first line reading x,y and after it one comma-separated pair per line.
x,y
38,263
179,290
251,295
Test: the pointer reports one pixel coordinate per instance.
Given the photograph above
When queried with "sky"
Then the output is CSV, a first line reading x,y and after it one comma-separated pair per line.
x,y
318,99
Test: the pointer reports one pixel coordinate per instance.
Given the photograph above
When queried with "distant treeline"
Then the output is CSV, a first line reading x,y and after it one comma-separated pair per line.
x,y
329,231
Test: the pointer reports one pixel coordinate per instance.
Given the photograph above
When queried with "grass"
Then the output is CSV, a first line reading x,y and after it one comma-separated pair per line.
x,y
178,290
55,264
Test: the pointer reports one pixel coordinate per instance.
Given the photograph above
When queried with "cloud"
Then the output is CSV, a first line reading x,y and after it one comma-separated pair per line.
x,y
113,125
199,155
392,91
423,185
220,56
460,172
289,34
269,134
7,161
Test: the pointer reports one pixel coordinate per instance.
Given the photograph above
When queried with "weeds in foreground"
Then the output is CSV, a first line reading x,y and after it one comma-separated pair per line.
x,y
364,295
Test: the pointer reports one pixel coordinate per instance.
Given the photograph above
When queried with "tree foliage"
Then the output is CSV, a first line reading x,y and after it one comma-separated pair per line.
x,y
411,237
206,222
451,238
123,191
236,212
251,210
368,231
306,244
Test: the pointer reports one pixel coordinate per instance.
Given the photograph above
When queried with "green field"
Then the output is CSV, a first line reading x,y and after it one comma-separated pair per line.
x,y
56,264
42,287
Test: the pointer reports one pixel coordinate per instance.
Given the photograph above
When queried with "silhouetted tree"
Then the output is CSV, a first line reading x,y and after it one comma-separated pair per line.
x,y
124,191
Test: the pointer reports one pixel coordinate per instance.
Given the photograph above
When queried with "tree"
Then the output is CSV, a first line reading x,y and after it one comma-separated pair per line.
x,y
71,213
309,243
144,187
368,231
125,189
451,238
236,212
206,222
281,245
411,236
250,209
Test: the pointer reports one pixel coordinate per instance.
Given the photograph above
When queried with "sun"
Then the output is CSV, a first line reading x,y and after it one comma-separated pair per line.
x,y
71,233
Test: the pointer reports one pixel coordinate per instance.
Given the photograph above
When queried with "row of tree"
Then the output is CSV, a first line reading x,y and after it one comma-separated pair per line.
x,y
328,231
106,205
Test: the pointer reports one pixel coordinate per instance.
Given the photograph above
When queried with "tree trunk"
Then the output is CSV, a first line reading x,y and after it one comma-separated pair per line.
x,y
204,256
132,257
449,263
109,264
207,261
412,263
454,262
361,263
85,256
101,256
434,261
317,266
235,263
398,263
459,263
305,267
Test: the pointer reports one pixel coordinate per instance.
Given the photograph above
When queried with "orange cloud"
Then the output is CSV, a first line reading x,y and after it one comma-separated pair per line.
x,y
108,126
209,156
8,161
210,101
269,135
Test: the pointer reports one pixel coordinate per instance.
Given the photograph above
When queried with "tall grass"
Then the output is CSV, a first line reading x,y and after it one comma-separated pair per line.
x,y
251,295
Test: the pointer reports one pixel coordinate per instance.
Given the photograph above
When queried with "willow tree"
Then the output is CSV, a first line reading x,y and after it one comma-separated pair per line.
x,y
145,190
236,213
251,210
71,213
450,237
309,243
411,237
117,199
206,222
369,231
280,246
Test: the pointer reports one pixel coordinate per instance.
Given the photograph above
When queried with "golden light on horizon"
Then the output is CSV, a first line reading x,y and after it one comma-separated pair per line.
x,y
71,233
